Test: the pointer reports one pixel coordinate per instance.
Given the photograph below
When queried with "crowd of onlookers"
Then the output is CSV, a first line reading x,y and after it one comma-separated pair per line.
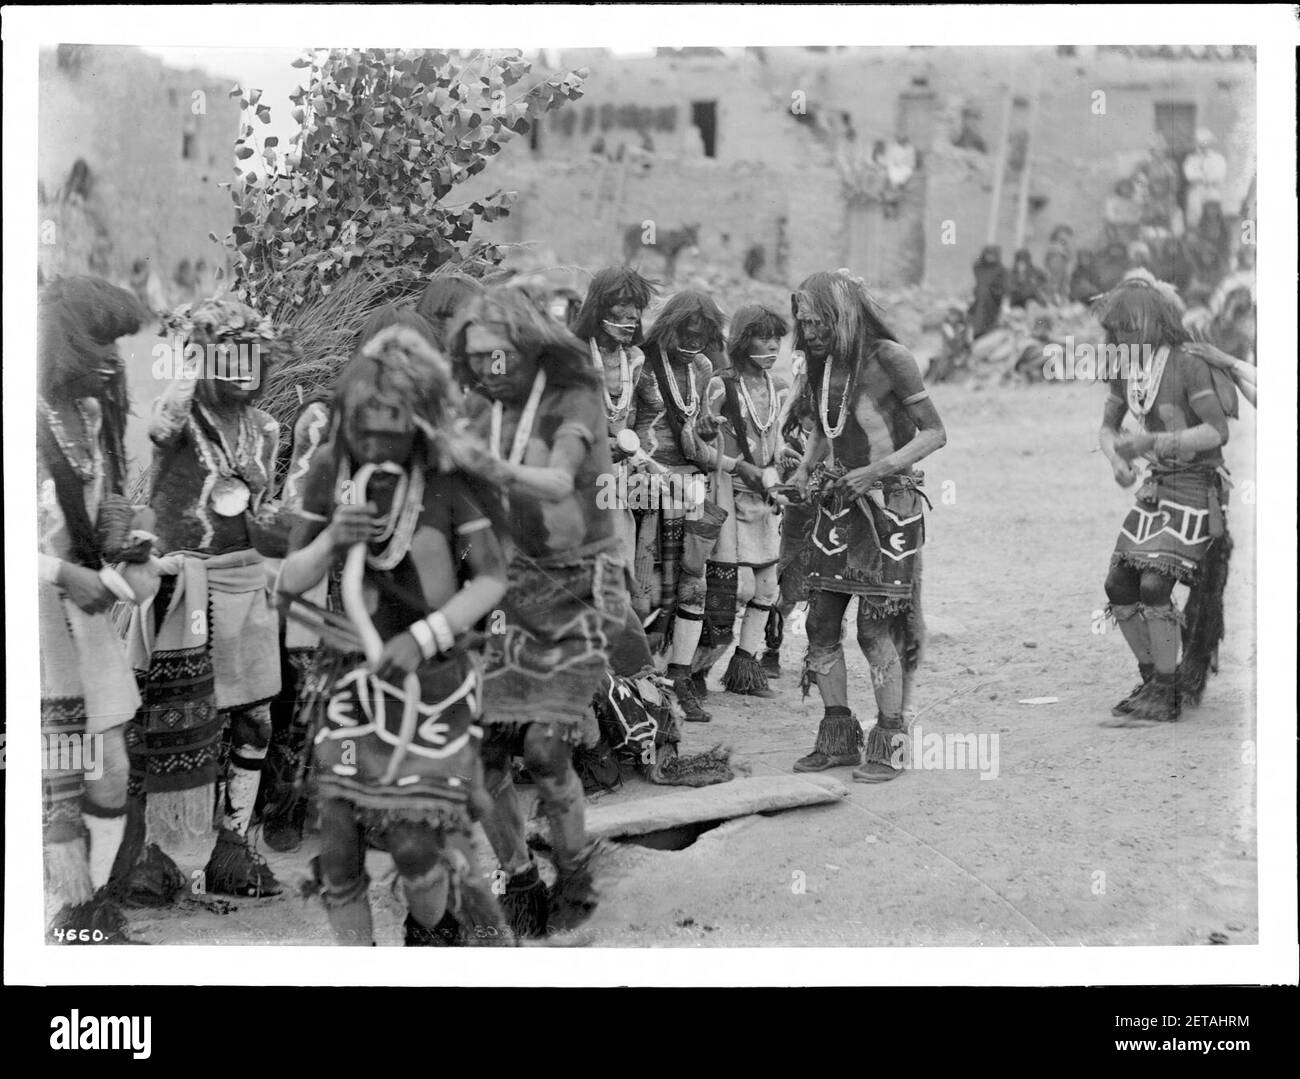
x,y
1165,219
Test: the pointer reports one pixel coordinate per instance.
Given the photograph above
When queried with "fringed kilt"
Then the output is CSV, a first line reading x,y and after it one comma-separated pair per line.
x,y
1173,523
360,736
863,549
792,566
548,663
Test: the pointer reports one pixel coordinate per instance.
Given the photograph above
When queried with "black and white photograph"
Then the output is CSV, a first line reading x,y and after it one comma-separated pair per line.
x,y
595,485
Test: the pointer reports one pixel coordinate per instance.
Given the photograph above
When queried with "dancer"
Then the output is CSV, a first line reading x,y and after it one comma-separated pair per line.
x,y
282,797
876,421
538,431
441,299
209,646
397,755
744,405
676,540
88,693
1177,530
610,322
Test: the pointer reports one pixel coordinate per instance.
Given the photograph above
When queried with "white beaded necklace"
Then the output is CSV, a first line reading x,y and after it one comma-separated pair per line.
x,y
525,429
687,408
762,426
612,407
825,402
1141,392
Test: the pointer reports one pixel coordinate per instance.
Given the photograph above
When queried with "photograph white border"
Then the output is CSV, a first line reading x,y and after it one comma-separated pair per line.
x,y
1272,29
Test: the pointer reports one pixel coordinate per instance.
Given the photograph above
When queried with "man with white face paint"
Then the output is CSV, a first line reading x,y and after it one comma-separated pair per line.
x,y
875,421
610,322
537,431
673,544
744,405
209,646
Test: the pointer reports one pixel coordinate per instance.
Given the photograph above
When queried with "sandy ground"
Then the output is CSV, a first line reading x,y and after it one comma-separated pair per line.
x,y
1085,835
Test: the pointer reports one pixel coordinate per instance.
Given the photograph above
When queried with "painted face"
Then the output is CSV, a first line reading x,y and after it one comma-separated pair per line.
x,y
231,392
691,339
1131,336
378,428
500,370
816,333
620,322
763,351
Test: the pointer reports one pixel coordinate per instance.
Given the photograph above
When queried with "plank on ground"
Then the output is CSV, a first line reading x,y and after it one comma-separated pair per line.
x,y
690,805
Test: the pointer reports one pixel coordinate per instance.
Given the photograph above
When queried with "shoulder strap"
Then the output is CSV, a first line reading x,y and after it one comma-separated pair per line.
x,y
731,409
82,536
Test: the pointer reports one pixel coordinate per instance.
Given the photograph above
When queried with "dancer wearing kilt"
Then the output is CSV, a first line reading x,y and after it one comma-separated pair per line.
x,y
744,405
208,650
875,422
396,756
88,692
675,541
538,431
609,321
1176,532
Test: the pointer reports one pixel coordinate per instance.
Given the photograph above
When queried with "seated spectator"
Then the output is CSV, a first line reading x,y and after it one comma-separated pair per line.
x,y
1123,213
1057,273
1085,285
1170,262
1026,281
990,288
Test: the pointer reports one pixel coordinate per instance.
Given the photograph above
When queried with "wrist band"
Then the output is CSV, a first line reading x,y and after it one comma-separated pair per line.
x,y
424,638
441,631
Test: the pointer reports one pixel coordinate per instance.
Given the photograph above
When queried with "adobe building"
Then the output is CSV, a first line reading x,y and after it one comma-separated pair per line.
x,y
129,155
760,153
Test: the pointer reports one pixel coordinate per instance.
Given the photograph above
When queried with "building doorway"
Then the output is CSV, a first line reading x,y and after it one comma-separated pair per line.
x,y
704,115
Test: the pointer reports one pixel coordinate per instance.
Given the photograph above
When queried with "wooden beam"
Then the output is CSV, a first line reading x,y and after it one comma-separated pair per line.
x,y
723,801
1000,169
1022,207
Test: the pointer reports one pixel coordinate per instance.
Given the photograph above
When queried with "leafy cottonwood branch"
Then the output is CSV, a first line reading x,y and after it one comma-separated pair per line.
x,y
384,135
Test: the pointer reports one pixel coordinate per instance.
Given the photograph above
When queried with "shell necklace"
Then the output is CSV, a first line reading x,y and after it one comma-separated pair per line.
x,y
612,407
825,402
1141,392
525,429
762,426
225,487
686,408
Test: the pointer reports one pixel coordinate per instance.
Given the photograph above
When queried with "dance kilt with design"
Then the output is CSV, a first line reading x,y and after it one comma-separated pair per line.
x,y
1172,525
424,774
869,548
549,661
